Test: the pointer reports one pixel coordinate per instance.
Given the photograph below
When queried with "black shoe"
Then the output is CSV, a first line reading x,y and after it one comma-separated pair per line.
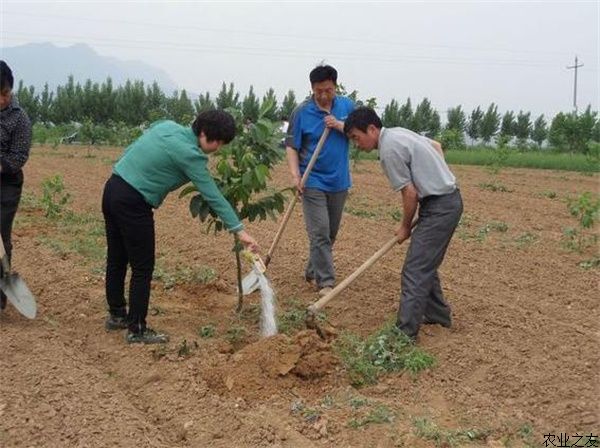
x,y
2,302
114,323
148,336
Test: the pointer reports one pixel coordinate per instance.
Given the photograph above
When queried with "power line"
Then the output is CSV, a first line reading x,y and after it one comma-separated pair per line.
x,y
279,51
311,36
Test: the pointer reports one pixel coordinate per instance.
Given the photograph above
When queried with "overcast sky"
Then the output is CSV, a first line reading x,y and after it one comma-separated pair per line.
x,y
469,53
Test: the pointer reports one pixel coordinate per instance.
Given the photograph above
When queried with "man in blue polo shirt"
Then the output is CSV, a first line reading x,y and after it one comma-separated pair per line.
x,y
326,188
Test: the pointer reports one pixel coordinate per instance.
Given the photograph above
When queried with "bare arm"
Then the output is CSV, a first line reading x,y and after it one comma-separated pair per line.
x,y
410,203
294,167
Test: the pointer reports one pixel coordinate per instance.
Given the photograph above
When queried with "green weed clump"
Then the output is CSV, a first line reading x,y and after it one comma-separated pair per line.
x,y
378,415
586,209
388,350
54,197
207,331
170,278
428,429
494,187
293,318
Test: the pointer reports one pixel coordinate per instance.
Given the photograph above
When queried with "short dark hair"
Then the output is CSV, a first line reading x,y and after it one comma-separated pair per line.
x,y
216,125
360,118
6,77
323,73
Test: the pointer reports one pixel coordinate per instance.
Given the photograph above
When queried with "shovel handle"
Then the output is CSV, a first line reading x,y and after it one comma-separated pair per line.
x,y
312,309
290,208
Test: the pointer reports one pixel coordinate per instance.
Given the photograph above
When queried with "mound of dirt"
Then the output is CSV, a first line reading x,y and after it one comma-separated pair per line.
x,y
263,368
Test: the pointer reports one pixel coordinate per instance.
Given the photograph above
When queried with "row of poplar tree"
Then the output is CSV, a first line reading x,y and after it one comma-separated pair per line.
x,y
135,104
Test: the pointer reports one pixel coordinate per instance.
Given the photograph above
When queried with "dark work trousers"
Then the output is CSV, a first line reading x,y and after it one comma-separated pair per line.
x,y
421,299
11,186
322,216
129,223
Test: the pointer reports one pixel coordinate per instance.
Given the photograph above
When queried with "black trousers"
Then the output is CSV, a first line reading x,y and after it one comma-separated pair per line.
x,y
129,223
11,186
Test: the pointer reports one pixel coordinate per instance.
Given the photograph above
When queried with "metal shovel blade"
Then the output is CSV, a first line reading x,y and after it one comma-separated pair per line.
x,y
19,294
250,283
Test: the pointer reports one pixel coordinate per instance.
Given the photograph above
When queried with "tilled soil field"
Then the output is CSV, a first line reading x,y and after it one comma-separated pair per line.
x,y
520,362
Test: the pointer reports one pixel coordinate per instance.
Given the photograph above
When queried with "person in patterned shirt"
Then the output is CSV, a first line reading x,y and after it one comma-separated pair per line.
x,y
15,142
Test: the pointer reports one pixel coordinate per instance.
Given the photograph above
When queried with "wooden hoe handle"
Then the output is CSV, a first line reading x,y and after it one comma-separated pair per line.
x,y
312,309
366,265
288,212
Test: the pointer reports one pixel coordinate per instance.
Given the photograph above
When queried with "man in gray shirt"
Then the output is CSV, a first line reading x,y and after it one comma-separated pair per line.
x,y
415,166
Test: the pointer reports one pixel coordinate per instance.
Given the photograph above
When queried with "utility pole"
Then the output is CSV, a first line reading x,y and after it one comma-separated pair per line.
x,y
576,66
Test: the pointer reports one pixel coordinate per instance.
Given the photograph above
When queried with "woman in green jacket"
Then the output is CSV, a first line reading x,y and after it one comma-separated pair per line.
x,y
163,159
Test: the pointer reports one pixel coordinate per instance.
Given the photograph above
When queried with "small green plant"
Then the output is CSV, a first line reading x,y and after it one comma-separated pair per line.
x,y
465,220
28,201
494,186
571,238
361,370
586,209
428,429
592,156
549,194
592,263
358,402
327,402
293,318
499,158
183,351
235,334
360,212
526,239
311,415
396,215
207,331
526,431
184,275
522,436
378,415
54,197
387,350
159,351
483,232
